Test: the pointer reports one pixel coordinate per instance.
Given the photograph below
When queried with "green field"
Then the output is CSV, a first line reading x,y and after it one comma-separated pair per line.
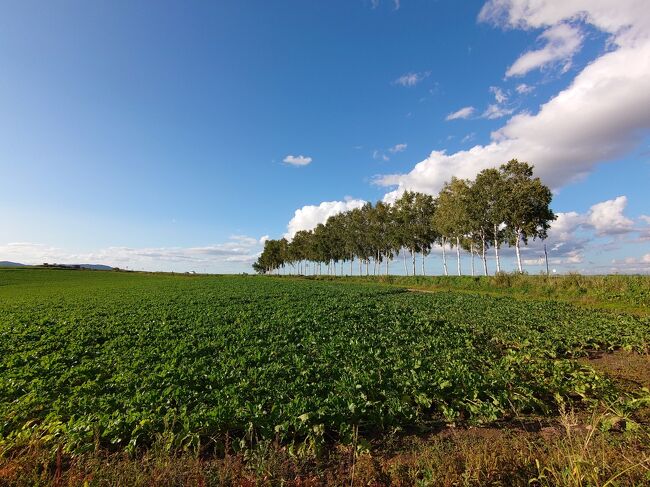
x,y
127,362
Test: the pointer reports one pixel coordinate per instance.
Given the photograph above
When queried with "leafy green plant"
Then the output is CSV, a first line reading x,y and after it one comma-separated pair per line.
x,y
123,361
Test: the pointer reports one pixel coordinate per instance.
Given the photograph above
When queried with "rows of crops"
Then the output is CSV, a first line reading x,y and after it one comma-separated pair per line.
x,y
125,360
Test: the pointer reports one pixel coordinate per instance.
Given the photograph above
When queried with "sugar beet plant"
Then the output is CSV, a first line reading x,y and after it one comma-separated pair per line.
x,y
126,360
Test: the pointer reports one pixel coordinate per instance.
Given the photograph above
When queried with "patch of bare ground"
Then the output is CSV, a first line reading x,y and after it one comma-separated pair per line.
x,y
631,370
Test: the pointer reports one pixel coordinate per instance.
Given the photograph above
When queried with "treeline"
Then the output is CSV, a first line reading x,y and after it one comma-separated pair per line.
x,y
500,206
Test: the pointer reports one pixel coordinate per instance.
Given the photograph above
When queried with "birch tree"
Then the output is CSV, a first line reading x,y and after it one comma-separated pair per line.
x,y
488,193
450,217
526,210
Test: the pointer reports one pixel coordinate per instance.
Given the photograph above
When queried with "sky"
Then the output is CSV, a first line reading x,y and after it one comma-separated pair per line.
x,y
179,136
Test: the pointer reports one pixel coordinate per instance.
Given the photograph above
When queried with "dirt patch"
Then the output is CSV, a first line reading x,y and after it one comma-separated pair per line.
x,y
631,370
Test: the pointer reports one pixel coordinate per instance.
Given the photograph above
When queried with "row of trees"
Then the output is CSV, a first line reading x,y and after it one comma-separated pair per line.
x,y
500,206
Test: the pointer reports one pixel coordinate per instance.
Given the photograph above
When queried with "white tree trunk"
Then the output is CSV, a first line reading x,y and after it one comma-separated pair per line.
x,y
496,249
483,256
471,252
406,270
458,255
424,273
413,258
518,253
444,256
386,264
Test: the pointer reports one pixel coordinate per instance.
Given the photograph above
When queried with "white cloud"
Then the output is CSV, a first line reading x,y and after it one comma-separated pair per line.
x,y
494,111
217,257
562,41
468,137
573,235
523,88
309,216
464,112
645,218
499,94
627,20
607,217
297,160
497,109
646,259
411,79
566,224
600,116
379,155
375,3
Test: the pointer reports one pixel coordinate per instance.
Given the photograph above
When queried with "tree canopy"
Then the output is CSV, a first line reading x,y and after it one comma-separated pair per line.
x,y
505,205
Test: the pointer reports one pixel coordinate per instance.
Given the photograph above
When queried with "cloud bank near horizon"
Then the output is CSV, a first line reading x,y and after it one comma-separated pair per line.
x,y
239,249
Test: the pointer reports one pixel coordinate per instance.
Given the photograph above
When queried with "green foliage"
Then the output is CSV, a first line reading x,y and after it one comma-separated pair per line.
x,y
124,360
500,205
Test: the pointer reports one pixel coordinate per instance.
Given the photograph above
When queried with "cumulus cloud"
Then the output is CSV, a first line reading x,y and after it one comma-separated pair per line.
x,y
216,257
411,79
464,112
600,116
297,160
608,219
573,236
562,41
309,216
627,20
645,218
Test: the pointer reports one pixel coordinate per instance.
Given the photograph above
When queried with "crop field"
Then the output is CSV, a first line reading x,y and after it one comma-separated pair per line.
x,y
127,361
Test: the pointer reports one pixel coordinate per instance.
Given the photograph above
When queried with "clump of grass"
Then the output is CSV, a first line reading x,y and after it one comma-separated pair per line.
x,y
583,456
619,292
573,451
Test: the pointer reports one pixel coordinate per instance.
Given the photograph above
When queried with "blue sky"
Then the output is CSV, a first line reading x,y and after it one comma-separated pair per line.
x,y
153,135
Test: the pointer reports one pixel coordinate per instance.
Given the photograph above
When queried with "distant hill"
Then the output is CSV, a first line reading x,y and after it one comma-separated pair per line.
x,y
95,267
6,263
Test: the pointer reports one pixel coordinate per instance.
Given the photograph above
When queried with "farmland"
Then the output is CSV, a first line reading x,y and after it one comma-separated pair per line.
x,y
129,362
